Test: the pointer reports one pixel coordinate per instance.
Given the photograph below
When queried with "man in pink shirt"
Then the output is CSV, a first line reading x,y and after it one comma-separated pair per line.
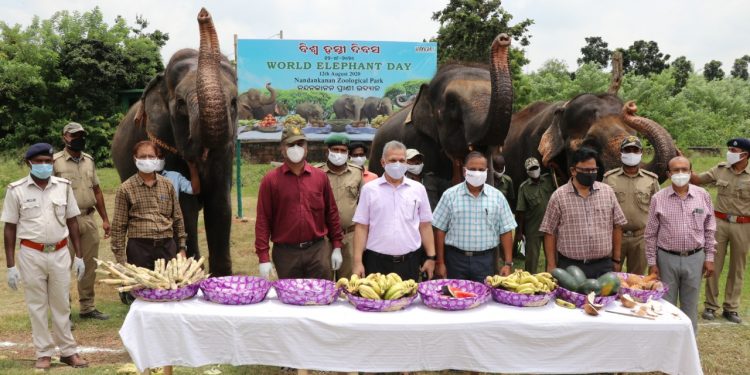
x,y
681,226
393,218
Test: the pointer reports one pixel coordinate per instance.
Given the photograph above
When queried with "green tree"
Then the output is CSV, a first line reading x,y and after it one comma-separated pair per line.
x,y
682,68
409,87
644,58
595,51
739,69
712,71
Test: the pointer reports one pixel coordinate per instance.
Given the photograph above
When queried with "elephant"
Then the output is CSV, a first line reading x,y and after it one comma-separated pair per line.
x,y
254,105
190,112
348,107
309,111
375,106
551,132
463,108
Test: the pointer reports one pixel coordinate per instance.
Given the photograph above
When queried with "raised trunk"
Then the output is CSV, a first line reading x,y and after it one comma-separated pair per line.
x,y
268,99
402,100
664,147
501,100
211,102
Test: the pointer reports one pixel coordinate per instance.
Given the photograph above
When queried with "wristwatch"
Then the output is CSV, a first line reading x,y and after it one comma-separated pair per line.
x,y
509,264
616,260
431,257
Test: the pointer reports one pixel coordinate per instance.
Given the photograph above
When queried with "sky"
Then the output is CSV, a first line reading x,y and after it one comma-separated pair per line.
x,y
700,30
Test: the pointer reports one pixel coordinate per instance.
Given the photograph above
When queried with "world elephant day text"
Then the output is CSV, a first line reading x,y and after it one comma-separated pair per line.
x,y
336,65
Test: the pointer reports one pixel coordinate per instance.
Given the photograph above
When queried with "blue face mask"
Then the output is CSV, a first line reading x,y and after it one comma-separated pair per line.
x,y
41,171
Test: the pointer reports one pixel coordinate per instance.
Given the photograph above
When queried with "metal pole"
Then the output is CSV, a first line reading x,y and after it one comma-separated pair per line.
x,y
238,148
281,34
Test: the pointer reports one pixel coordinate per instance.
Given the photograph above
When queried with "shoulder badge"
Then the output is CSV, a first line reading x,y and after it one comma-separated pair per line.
x,y
355,166
613,171
649,173
724,164
88,156
60,179
57,155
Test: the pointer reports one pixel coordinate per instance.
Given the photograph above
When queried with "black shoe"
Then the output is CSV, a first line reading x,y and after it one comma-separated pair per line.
x,y
126,298
709,314
732,316
94,314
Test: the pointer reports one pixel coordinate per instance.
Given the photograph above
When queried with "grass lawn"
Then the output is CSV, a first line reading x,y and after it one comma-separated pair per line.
x,y
723,346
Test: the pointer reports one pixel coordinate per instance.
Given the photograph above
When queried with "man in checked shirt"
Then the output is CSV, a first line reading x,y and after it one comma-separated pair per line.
x,y
681,227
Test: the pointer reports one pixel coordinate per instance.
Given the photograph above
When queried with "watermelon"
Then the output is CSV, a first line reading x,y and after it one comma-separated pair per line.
x,y
610,284
565,279
578,274
590,285
450,291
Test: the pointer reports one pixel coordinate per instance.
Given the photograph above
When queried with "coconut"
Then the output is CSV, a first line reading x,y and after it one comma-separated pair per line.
x,y
627,301
589,309
590,300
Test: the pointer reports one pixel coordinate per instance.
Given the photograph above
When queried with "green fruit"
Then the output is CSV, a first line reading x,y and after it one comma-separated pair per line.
x,y
590,285
577,273
564,279
610,284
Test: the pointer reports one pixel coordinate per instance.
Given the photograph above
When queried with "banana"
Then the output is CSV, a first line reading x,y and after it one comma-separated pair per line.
x,y
545,275
343,282
564,304
367,292
374,285
527,290
394,278
396,291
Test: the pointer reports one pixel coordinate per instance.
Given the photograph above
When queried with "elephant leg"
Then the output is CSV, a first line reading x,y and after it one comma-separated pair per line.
x,y
191,207
217,215
458,175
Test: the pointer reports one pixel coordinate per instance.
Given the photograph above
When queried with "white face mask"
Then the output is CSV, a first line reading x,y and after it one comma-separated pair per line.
x,y
500,174
534,174
680,179
147,165
337,159
733,157
160,167
395,170
295,153
359,161
414,169
475,178
630,159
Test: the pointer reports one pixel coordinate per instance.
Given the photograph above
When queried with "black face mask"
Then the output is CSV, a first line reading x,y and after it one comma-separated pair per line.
x,y
586,179
77,144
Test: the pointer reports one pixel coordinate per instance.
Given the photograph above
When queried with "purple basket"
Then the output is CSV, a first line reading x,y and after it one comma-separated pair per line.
x,y
306,291
379,305
640,295
521,300
235,290
580,299
432,296
166,295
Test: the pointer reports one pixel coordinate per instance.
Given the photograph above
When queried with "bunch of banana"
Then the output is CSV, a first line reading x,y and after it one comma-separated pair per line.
x,y
524,282
378,286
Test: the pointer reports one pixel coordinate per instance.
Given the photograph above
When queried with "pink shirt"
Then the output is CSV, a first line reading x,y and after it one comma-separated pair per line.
x,y
680,224
393,214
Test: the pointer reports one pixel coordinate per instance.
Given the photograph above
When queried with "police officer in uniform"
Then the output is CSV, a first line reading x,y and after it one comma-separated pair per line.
x,y
41,211
346,182
732,211
78,167
503,182
634,187
533,196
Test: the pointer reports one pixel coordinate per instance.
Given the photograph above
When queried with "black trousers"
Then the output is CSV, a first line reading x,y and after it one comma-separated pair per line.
x,y
474,268
591,268
406,266
143,252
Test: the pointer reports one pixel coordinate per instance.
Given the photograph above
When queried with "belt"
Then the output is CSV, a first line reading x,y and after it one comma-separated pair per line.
x,y
394,258
469,253
584,261
633,233
45,248
732,218
682,253
350,229
88,211
301,245
156,242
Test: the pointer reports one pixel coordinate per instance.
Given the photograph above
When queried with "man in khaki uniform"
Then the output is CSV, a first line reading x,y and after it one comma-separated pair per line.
x,y
346,183
502,181
533,196
41,211
732,211
78,167
634,187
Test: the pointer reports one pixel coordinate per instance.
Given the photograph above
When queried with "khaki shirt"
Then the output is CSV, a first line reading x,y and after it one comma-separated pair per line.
x,y
346,187
532,201
505,185
733,196
633,194
40,215
81,174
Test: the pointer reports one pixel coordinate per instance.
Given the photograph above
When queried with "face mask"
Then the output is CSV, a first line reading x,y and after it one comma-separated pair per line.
x,y
415,169
147,165
680,179
733,157
586,179
534,174
630,159
295,153
359,161
77,144
500,174
41,171
160,166
337,159
395,170
476,178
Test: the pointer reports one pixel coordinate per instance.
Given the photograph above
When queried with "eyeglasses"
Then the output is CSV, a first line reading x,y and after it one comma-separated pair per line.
x,y
587,170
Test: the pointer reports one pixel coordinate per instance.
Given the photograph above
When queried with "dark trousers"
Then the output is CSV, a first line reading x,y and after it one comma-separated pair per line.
x,y
406,266
591,268
475,267
313,262
143,252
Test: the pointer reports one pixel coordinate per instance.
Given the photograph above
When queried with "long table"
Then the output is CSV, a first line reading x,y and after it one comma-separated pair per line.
x,y
490,338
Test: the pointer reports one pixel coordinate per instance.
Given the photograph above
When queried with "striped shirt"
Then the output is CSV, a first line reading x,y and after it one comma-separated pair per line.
x,y
583,226
473,223
143,211
680,224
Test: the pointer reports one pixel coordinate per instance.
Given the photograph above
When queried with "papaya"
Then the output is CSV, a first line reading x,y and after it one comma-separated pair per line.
x,y
578,274
590,285
565,280
610,283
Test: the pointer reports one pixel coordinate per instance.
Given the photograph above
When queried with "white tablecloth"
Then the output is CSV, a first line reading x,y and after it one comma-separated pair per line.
x,y
490,338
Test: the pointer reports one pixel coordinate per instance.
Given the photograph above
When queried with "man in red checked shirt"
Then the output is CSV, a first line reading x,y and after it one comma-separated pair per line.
x,y
296,210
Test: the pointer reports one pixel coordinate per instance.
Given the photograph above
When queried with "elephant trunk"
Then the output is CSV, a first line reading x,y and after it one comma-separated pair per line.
x,y
501,100
211,103
664,147
403,100
269,99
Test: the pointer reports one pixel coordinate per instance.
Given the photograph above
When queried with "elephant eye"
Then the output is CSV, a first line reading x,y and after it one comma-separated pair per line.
x,y
181,105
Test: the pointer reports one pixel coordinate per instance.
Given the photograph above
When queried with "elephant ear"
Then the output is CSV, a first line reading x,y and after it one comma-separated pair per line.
x,y
421,114
552,142
141,115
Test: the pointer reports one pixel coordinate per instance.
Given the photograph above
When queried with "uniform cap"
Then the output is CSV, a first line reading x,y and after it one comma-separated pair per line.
x,y
411,153
39,149
73,127
742,143
337,140
530,162
631,140
292,134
